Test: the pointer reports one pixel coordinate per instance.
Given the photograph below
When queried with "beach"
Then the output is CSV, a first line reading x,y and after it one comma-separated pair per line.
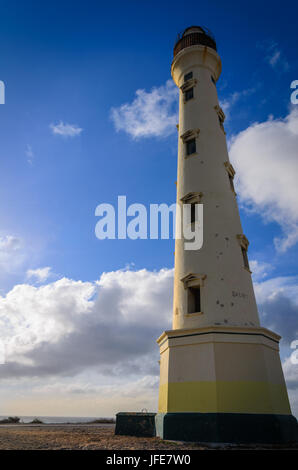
x,y
90,437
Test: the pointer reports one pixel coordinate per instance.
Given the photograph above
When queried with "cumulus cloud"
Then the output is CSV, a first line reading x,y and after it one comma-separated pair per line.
x,y
66,130
39,274
150,114
281,285
67,326
277,300
290,368
265,158
96,340
291,372
260,269
11,254
279,313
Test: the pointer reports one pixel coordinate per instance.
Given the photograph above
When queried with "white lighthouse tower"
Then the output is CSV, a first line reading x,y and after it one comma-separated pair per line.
x,y
220,372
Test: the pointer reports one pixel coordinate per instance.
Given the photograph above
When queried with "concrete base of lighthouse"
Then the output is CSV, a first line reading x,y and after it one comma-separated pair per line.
x,y
223,384
236,428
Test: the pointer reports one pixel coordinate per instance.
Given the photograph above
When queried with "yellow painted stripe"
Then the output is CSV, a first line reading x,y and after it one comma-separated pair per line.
x,y
224,397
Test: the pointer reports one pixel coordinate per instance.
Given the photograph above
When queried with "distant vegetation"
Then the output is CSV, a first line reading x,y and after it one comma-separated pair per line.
x,y
11,420
36,421
17,420
102,421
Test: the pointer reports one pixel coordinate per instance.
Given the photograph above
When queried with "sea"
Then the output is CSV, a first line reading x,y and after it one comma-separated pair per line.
x,y
57,419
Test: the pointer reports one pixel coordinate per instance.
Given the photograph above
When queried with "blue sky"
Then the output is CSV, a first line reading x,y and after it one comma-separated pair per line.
x,y
73,63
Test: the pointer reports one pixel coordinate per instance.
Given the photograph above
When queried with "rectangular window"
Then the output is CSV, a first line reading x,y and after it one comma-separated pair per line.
x,y
188,94
221,121
212,80
231,182
188,76
190,146
245,257
194,299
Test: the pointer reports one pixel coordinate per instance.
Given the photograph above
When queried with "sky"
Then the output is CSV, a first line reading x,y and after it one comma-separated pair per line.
x,y
90,113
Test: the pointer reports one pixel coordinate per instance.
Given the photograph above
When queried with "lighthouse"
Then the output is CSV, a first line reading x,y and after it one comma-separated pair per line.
x,y
221,378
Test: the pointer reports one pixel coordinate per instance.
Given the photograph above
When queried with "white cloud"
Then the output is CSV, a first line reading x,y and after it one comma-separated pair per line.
x,y
291,375
274,58
227,103
277,299
291,372
260,269
273,55
277,61
66,130
265,158
151,114
11,253
90,346
68,326
282,285
30,316
9,243
29,154
39,274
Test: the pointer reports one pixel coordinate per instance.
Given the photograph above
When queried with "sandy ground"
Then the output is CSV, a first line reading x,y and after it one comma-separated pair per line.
x,y
81,437
76,437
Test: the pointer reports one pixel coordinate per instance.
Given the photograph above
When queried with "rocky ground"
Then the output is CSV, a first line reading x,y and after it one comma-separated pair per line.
x,y
82,437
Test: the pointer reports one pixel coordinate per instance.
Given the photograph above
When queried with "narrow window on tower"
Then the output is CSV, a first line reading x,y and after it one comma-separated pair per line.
x,y
245,257
212,80
221,121
192,199
231,178
188,95
191,146
193,283
231,173
221,117
194,299
187,76
188,86
244,247
189,139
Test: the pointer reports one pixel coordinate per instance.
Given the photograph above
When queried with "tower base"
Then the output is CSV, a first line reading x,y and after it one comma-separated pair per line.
x,y
231,428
